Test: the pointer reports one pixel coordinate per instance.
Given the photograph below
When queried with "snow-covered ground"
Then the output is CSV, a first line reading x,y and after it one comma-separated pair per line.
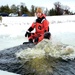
x,y
7,73
12,30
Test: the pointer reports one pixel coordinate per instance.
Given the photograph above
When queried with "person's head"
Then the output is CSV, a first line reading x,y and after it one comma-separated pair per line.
x,y
47,35
39,12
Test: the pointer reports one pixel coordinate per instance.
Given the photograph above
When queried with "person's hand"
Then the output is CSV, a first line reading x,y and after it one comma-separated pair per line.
x,y
27,34
36,40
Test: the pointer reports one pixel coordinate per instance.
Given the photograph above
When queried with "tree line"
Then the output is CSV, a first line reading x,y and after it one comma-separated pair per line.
x,y
58,9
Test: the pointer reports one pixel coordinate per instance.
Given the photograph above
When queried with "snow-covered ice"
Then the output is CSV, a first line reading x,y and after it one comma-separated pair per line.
x,y
7,73
12,30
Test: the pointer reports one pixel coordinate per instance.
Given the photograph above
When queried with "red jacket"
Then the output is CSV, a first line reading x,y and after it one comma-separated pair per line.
x,y
41,25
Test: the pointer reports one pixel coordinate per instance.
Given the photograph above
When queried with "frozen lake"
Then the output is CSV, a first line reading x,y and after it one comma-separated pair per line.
x,y
12,34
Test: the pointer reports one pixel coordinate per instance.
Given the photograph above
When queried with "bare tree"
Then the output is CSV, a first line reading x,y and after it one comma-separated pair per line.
x,y
58,8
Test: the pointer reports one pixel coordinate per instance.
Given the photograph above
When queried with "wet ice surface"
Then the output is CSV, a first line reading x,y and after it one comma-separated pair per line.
x,y
50,65
13,35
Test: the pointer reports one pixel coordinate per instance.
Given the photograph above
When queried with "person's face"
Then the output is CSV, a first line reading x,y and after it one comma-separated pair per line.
x,y
38,14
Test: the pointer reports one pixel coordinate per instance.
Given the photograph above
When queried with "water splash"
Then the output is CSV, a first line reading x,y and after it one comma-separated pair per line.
x,y
40,59
46,47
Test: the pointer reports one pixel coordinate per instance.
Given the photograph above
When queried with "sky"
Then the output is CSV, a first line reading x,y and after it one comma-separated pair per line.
x,y
42,3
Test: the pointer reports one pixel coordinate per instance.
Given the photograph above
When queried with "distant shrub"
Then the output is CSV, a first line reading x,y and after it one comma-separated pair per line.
x,y
0,18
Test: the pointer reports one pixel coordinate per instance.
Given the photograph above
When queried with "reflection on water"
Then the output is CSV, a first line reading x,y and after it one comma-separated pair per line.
x,y
40,59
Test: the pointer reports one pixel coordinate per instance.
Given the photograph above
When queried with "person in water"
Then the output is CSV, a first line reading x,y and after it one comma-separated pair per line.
x,y
41,26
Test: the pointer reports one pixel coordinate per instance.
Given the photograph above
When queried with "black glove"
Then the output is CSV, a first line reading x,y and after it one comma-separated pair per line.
x,y
27,34
36,39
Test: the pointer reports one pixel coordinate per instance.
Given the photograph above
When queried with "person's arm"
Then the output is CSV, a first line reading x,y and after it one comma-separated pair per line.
x,y
30,29
46,25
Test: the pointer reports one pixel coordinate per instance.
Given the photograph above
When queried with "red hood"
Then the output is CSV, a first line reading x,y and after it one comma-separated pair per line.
x,y
43,15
